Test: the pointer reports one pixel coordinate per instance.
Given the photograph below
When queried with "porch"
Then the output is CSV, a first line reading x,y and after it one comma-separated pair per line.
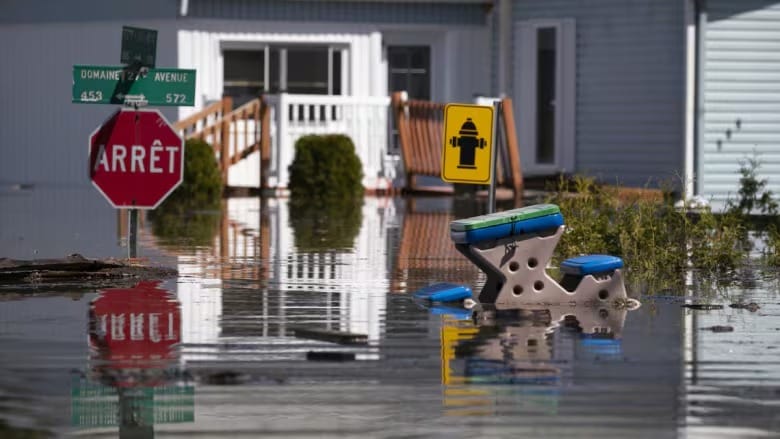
x,y
255,142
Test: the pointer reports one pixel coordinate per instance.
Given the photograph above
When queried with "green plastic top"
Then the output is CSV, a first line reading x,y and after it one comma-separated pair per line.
x,y
506,217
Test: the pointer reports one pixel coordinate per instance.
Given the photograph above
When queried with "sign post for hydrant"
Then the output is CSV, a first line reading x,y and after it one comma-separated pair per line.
x,y
468,155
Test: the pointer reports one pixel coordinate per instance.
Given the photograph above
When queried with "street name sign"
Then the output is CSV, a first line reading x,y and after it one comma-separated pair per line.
x,y
136,159
125,85
468,136
139,46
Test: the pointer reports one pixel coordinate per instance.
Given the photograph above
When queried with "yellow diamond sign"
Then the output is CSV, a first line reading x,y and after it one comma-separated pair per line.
x,y
468,137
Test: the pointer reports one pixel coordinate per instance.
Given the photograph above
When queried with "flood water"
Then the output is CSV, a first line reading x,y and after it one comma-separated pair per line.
x,y
281,323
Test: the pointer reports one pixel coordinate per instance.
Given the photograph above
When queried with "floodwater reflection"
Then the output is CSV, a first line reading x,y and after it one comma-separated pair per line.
x,y
133,380
532,351
277,336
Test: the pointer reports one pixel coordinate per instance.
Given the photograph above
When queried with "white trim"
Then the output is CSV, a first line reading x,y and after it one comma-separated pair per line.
x,y
504,20
565,101
690,99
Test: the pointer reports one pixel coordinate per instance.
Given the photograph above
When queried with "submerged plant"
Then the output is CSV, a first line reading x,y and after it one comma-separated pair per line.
x,y
753,195
658,241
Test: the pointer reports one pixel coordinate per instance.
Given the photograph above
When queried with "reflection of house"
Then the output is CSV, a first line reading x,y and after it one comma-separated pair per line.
x,y
267,286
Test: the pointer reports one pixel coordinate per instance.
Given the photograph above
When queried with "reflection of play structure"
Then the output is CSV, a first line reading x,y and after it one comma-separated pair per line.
x,y
532,351
514,248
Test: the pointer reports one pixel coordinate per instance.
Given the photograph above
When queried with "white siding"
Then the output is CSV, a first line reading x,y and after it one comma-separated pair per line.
x,y
741,95
201,47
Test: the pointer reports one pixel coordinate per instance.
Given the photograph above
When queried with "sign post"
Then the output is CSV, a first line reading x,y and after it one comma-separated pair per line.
x,y
469,144
136,159
133,86
139,46
493,158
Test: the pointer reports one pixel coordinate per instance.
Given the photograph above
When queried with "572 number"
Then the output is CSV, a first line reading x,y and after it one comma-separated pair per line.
x,y
175,98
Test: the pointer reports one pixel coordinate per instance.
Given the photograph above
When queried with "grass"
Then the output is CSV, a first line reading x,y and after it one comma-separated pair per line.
x,y
660,241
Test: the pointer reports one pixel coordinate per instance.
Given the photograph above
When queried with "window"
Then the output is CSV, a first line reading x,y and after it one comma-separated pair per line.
x,y
410,70
274,69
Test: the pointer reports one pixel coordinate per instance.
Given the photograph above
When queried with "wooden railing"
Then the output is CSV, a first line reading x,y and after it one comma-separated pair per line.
x,y
420,128
233,133
237,133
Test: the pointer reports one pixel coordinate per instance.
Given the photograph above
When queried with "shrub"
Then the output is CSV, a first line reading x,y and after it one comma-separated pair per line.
x,y
326,167
188,213
326,193
201,187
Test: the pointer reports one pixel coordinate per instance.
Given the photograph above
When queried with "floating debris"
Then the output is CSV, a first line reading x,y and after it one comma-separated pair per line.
x,y
719,328
329,356
752,306
339,337
77,270
226,378
702,306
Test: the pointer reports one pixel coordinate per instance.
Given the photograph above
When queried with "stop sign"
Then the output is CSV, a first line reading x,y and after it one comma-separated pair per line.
x,y
136,159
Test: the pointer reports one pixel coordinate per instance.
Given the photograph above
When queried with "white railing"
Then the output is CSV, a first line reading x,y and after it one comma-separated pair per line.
x,y
363,118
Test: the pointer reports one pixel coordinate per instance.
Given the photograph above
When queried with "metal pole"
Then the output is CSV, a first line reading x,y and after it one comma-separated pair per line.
x,y
493,155
132,234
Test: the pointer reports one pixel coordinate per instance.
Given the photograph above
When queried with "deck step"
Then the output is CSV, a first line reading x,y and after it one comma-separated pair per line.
x,y
591,264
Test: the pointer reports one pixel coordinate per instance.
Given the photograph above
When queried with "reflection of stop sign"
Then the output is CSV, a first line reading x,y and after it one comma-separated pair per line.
x,y
136,159
135,327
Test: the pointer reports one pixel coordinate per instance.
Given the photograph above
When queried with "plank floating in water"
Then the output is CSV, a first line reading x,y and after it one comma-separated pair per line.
x,y
346,338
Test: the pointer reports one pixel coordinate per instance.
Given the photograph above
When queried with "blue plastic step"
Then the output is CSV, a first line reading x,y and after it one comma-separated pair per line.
x,y
443,292
521,227
591,264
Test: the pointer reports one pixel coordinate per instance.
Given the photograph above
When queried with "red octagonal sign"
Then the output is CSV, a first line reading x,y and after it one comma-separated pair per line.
x,y
136,159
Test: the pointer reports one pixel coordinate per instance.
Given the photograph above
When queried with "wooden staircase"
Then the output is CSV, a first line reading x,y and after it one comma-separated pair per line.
x,y
233,133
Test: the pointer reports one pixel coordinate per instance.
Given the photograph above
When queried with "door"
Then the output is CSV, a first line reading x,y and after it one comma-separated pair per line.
x,y
545,84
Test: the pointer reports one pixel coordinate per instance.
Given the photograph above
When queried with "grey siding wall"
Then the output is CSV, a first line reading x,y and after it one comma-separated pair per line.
x,y
741,95
630,85
43,136
47,11
342,11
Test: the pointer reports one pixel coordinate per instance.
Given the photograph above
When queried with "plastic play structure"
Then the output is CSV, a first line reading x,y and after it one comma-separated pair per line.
x,y
513,248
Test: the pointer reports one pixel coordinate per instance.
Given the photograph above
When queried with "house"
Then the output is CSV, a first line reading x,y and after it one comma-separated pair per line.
x,y
636,92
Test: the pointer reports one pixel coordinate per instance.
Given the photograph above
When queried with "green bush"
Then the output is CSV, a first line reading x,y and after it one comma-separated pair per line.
x,y
202,183
326,167
188,214
326,193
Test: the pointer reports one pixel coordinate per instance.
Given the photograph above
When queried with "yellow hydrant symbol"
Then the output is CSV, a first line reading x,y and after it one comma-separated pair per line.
x,y
468,143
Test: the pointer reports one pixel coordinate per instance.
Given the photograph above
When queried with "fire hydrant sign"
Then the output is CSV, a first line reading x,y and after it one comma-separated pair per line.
x,y
468,136
136,159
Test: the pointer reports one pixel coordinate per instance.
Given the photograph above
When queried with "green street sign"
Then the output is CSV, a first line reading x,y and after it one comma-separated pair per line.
x,y
139,46
125,85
